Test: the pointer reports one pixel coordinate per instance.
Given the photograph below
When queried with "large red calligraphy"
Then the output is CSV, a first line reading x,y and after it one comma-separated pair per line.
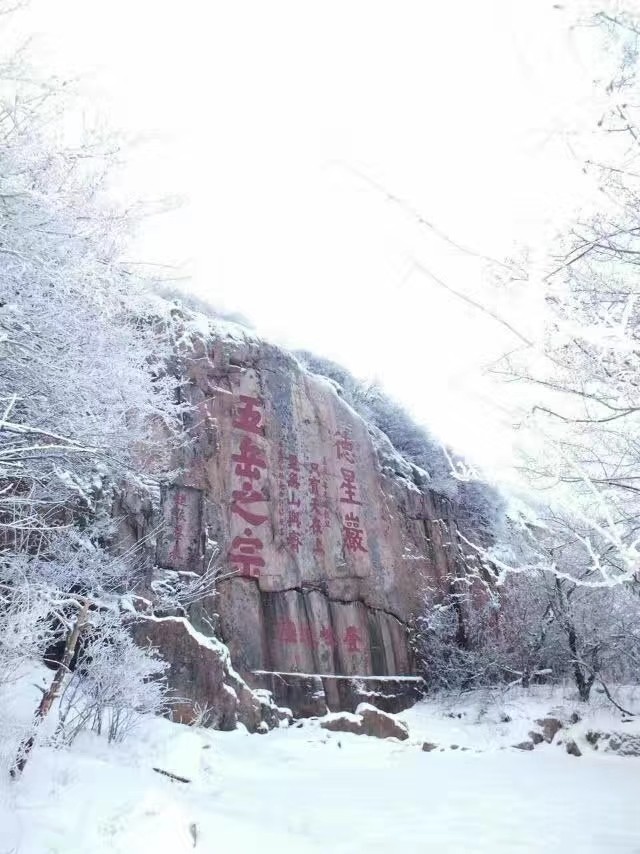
x,y
353,535
288,632
248,415
248,501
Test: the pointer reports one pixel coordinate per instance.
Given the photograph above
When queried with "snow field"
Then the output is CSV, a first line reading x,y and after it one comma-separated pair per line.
x,y
303,789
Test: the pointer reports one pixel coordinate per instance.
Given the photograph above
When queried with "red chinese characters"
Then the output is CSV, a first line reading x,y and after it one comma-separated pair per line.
x,y
353,535
248,502
316,507
283,493
242,502
305,635
246,554
250,459
352,639
325,493
248,415
180,546
344,447
288,632
293,478
294,522
294,540
348,487
328,636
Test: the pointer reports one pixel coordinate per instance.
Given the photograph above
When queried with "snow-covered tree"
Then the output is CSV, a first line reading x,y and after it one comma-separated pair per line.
x,y
535,627
582,370
114,682
88,385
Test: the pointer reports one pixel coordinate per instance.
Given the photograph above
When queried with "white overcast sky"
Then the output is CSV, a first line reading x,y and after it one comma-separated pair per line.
x,y
265,114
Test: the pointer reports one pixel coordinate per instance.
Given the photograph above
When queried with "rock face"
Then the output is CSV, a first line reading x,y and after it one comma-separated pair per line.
x,y
328,535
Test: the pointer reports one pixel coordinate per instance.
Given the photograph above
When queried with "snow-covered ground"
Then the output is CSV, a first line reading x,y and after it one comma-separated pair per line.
x,y
303,789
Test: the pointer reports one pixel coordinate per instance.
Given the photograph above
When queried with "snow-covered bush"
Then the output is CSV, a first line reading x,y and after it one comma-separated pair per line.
x,y
534,627
114,682
26,629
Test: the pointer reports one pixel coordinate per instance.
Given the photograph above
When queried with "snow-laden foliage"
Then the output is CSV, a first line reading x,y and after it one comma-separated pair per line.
x,y
26,629
84,381
534,628
582,370
114,682
88,396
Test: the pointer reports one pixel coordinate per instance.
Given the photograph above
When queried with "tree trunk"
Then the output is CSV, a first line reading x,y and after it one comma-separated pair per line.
x,y
51,694
584,683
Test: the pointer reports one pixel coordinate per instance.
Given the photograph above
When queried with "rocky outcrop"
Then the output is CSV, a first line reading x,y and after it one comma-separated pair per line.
x,y
550,726
381,725
204,686
328,536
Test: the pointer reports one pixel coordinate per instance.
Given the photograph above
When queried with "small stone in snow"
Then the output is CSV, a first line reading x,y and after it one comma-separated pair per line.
x,y
572,748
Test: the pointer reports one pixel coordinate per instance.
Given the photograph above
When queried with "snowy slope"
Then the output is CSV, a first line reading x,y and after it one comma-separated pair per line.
x,y
306,790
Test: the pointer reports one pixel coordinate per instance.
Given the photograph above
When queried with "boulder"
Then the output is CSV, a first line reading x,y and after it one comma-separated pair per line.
x,y
201,677
269,711
572,748
366,721
285,716
536,737
389,695
524,745
428,746
343,722
303,695
380,724
550,726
